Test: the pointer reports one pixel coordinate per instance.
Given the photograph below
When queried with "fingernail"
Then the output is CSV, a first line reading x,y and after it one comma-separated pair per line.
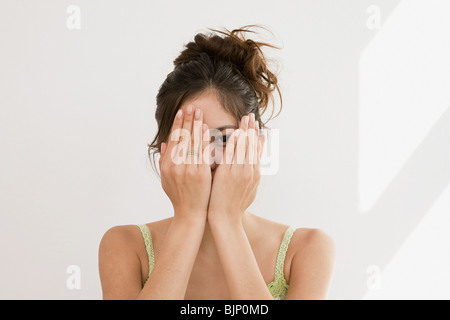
x,y
197,114
179,114
252,116
189,110
204,127
246,118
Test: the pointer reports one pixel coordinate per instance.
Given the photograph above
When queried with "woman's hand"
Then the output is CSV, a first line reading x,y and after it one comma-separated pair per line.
x,y
185,177
237,178
234,188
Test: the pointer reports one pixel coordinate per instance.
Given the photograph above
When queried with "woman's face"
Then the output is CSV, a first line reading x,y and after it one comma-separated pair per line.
x,y
216,117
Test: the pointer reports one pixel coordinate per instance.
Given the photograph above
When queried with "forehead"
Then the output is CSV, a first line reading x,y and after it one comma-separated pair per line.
x,y
214,114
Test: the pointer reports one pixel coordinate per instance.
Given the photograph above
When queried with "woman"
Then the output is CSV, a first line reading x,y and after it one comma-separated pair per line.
x,y
213,247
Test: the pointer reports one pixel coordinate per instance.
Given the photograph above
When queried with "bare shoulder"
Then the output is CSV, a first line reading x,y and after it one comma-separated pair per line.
x,y
305,240
311,248
129,236
308,249
312,260
302,238
121,255
118,237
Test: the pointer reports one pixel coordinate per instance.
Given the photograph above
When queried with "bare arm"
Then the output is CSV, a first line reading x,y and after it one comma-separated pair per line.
x,y
188,185
233,190
312,266
170,276
242,272
120,267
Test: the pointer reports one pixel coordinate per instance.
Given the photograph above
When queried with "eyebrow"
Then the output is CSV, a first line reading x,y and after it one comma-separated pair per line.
x,y
227,126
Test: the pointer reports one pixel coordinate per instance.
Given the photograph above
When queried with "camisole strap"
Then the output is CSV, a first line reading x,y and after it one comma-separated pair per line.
x,y
149,247
279,269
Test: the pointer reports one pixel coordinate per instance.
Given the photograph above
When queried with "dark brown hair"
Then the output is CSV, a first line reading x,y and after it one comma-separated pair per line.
x,y
226,62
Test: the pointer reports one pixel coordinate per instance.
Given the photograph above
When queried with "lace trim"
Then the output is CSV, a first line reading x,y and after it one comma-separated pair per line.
x,y
278,287
149,247
279,269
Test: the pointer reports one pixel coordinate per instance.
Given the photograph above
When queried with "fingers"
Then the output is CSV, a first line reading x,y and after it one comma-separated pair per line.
x,y
258,147
240,152
205,149
191,138
176,130
243,148
185,144
230,148
174,137
251,133
185,137
248,146
247,149
196,138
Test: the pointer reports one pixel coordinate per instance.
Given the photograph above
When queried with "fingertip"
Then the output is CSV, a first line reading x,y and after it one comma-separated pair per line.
x,y
246,121
178,121
198,115
252,122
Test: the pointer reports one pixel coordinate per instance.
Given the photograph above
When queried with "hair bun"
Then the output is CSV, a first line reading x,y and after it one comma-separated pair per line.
x,y
245,55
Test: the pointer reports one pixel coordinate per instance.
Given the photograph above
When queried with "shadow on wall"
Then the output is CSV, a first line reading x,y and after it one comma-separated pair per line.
x,y
375,236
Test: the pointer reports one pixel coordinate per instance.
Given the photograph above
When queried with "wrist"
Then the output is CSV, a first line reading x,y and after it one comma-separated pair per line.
x,y
189,218
224,220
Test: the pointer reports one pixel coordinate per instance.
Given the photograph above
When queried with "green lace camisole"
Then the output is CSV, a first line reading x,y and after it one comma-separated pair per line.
x,y
278,287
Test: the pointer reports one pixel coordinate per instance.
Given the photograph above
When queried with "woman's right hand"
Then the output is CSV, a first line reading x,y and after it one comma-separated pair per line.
x,y
185,177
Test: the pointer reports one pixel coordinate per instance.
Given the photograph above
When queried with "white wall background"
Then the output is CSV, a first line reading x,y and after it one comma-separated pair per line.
x,y
364,134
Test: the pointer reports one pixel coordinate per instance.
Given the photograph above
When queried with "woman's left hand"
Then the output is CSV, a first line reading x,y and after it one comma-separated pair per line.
x,y
237,177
